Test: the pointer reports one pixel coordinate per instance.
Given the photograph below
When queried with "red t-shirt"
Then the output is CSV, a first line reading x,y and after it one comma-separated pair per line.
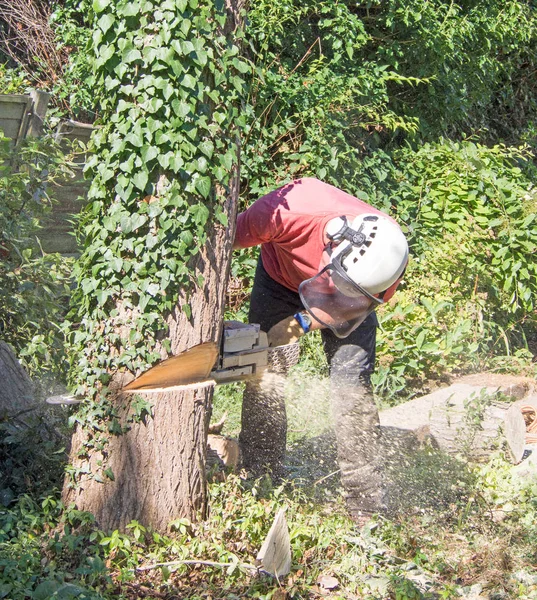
x,y
289,223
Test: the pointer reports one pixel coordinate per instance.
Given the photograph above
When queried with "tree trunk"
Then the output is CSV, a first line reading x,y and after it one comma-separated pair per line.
x,y
17,390
152,468
158,466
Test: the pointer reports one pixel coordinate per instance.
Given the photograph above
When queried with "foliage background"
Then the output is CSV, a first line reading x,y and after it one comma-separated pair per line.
x,y
398,103
428,111
425,110
35,287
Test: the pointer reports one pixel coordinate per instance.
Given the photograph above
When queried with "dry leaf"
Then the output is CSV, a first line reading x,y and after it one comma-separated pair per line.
x,y
327,582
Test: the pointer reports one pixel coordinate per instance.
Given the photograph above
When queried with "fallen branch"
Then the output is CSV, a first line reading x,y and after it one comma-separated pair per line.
x,y
205,563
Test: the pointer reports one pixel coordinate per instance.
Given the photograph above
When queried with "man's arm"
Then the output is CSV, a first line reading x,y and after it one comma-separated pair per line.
x,y
259,223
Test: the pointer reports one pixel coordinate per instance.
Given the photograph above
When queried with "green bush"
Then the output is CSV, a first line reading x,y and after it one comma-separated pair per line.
x,y
72,93
470,288
477,57
34,287
314,104
12,81
333,81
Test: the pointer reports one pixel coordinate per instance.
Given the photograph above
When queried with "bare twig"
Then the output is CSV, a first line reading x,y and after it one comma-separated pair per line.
x,y
206,563
27,38
326,477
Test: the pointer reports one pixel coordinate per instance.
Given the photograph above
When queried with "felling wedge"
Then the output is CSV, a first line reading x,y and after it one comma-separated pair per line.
x,y
244,354
190,367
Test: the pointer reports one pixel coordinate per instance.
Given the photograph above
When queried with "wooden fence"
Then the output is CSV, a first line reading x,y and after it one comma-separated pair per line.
x,y
22,116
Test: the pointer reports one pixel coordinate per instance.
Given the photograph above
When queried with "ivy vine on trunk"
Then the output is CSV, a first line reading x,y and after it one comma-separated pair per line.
x,y
157,238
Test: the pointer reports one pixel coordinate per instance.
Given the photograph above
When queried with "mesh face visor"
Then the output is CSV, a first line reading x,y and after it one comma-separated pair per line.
x,y
335,301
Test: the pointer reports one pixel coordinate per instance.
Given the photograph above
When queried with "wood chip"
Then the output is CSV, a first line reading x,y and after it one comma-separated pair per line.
x,y
275,553
327,582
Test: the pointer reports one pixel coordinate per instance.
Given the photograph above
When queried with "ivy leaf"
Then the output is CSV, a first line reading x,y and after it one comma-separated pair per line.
x,y
164,159
130,9
153,124
240,65
168,91
200,213
187,47
88,285
161,138
202,57
132,55
188,81
135,138
176,162
227,160
153,289
238,83
203,185
148,153
105,22
109,223
102,296
222,217
130,223
187,237
140,179
116,264
100,5
207,148
106,174
153,105
181,108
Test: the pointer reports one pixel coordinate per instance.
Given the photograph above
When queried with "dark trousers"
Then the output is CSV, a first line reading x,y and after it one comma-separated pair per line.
x,y
351,361
272,302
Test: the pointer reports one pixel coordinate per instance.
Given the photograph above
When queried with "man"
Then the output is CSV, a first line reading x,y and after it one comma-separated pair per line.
x,y
327,260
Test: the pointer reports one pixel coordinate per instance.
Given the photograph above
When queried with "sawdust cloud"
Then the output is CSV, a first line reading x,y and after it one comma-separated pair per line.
x,y
418,478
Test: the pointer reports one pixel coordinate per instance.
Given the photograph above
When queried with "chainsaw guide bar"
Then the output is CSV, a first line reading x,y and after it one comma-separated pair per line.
x,y
244,354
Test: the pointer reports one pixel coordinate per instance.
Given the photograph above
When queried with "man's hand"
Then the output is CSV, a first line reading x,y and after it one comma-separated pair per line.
x,y
285,332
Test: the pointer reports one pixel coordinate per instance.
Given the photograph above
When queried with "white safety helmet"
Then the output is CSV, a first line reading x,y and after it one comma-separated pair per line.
x,y
366,258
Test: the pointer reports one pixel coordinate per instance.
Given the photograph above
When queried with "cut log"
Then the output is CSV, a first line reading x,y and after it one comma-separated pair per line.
x,y
465,417
222,452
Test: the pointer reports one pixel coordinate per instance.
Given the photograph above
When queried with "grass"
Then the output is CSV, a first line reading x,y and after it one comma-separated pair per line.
x,y
442,551
460,530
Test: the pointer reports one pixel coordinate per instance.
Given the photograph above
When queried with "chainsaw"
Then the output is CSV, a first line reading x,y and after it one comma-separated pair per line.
x,y
243,354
